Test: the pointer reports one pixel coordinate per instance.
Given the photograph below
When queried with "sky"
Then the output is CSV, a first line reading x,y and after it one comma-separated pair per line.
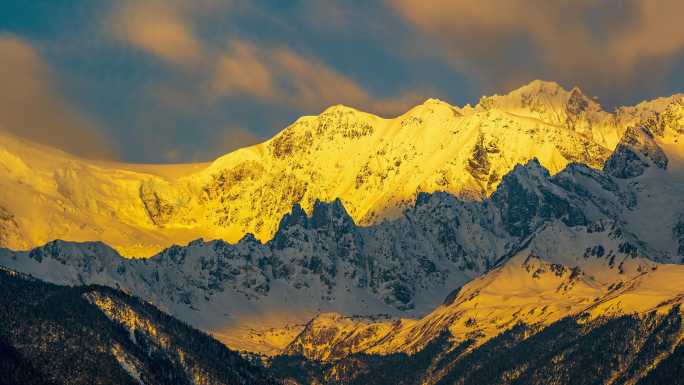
x,y
159,81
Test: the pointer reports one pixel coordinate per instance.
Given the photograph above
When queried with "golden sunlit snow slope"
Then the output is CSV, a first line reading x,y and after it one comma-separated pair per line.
x,y
47,194
526,290
375,165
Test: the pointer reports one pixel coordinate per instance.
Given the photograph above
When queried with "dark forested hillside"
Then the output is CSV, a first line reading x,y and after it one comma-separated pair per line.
x,y
622,350
93,335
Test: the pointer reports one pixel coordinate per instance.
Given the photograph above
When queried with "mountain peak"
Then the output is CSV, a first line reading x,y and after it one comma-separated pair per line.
x,y
432,107
336,207
535,92
322,214
636,152
531,168
541,86
435,101
551,103
297,216
340,108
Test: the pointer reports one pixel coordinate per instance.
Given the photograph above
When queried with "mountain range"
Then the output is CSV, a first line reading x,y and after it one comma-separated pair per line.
x,y
375,166
437,241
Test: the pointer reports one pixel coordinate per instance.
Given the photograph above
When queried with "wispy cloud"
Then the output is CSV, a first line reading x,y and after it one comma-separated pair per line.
x,y
243,69
32,107
309,82
596,44
269,73
161,28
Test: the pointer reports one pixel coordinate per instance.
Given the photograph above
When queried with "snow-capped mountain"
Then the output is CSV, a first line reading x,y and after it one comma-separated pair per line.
x,y
528,322
323,262
526,289
333,257
376,166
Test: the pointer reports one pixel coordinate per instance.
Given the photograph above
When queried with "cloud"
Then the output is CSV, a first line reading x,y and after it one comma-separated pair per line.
x,y
242,69
655,33
311,82
269,73
600,45
277,74
159,28
31,106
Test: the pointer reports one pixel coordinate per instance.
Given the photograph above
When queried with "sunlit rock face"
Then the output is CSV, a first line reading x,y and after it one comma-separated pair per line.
x,y
628,159
375,166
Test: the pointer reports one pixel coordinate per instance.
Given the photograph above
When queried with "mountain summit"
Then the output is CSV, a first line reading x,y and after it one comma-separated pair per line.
x,y
376,166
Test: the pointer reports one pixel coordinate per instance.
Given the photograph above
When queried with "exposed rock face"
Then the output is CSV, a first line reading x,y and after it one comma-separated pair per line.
x,y
636,152
159,210
678,233
9,229
526,202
